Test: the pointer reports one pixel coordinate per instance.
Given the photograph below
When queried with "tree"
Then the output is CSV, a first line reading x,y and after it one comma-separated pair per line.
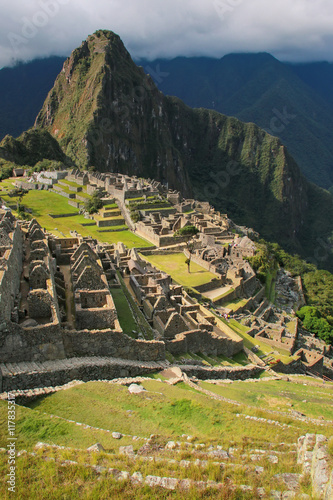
x,y
94,203
315,323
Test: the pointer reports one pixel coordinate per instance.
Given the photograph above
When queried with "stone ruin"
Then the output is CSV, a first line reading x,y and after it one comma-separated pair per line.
x,y
183,325
40,277
94,306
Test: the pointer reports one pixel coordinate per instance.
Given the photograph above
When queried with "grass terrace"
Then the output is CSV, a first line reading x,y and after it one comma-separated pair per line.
x,y
43,203
250,342
313,399
111,206
71,183
237,304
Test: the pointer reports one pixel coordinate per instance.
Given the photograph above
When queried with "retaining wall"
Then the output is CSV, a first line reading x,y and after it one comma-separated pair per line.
x,y
202,341
228,372
51,342
60,375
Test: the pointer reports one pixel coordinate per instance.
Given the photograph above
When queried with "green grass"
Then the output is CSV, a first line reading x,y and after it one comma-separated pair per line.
x,y
124,312
71,183
82,194
111,206
175,266
142,324
270,285
235,305
310,400
64,189
167,412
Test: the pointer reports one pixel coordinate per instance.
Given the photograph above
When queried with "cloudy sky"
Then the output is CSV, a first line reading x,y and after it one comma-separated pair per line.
x,y
293,30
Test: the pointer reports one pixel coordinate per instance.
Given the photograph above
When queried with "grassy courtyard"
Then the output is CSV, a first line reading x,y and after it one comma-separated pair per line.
x,y
175,266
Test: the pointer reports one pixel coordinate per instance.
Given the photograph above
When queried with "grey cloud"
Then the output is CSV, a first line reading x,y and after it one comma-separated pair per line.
x,y
289,29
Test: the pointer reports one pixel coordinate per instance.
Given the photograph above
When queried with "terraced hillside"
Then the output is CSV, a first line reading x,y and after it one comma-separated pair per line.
x,y
49,207
171,441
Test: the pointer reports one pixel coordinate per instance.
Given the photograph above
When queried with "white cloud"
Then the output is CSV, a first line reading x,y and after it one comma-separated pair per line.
x,y
289,29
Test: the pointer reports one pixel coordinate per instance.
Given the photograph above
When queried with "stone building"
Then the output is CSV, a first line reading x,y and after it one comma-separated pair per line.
x,y
94,306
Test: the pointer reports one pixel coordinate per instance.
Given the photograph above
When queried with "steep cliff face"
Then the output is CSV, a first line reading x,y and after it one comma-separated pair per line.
x,y
105,112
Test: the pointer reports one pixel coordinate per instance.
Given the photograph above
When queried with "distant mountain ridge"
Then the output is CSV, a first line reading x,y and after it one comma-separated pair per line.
x,y
293,102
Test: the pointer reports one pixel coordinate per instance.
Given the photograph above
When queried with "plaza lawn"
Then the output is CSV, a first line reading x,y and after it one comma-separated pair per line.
x,y
175,266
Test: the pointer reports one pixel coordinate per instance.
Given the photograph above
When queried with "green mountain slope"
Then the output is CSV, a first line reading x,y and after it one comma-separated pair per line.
x,y
105,112
258,88
31,147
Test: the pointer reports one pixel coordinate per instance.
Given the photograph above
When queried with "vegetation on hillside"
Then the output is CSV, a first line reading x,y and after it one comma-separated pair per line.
x,y
32,147
317,284
258,88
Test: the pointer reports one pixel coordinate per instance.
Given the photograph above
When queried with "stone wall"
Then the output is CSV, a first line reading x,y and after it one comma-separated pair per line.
x,y
203,263
10,276
111,343
313,455
227,372
250,285
51,342
294,367
110,222
38,343
59,216
63,193
147,233
211,285
75,204
202,341
288,346
39,304
63,373
95,318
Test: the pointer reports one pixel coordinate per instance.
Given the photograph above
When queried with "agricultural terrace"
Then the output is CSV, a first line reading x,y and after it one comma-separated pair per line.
x,y
44,204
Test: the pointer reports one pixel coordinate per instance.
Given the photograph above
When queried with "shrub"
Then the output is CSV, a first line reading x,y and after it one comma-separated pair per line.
x,y
186,231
